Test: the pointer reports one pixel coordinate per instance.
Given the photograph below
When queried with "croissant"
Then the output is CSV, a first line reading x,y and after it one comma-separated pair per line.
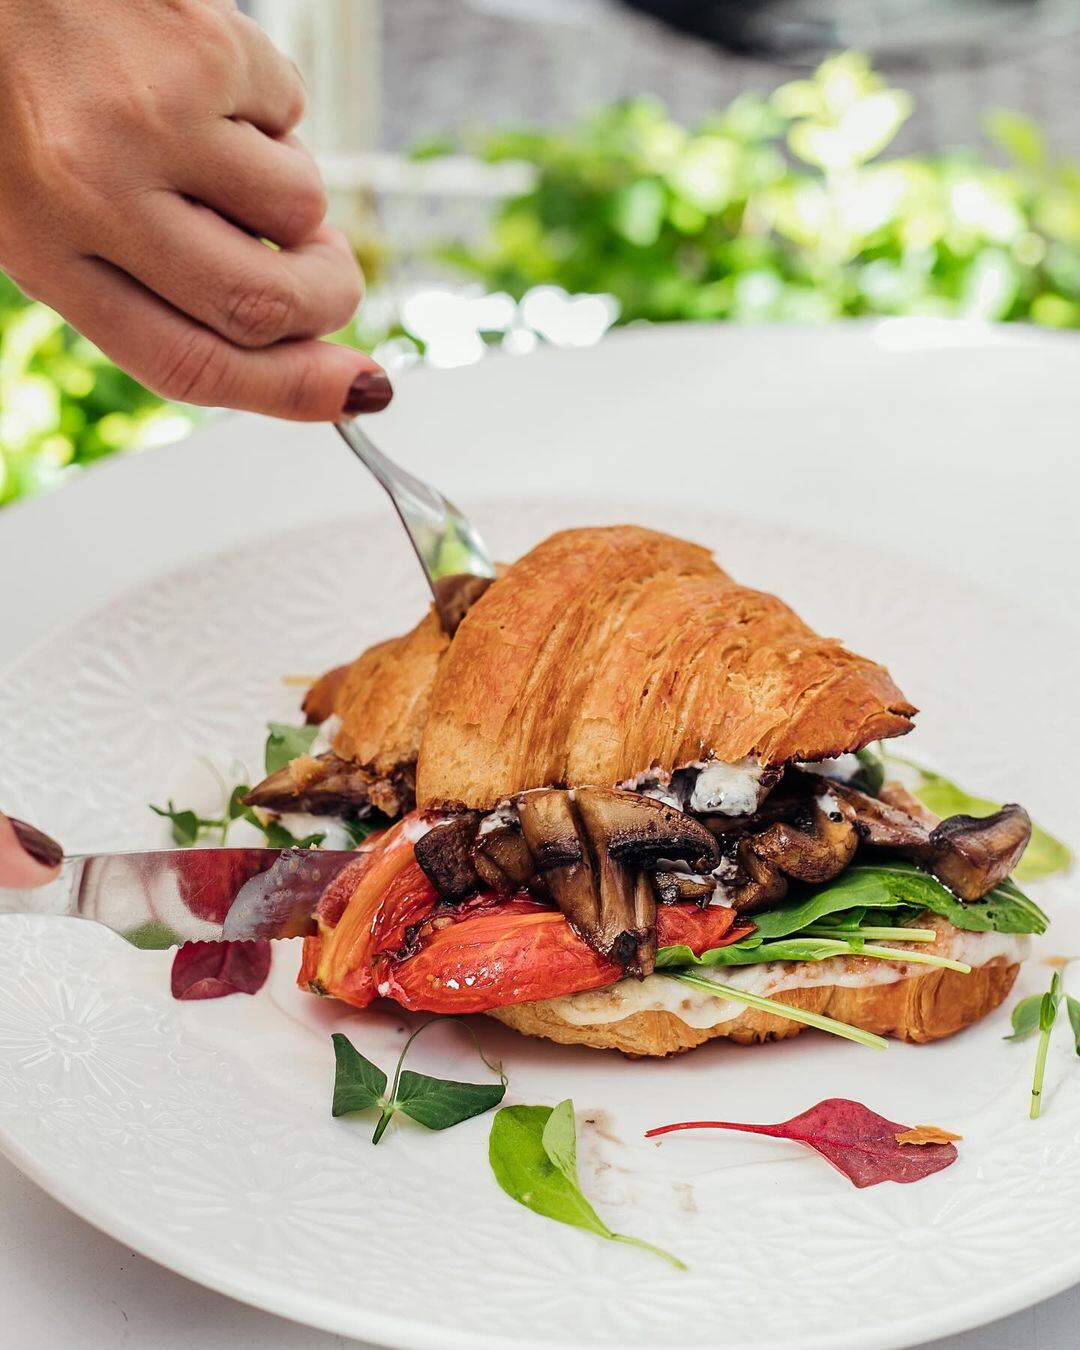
x,y
601,654
554,749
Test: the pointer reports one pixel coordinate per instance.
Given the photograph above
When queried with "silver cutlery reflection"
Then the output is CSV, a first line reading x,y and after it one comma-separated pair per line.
x,y
166,897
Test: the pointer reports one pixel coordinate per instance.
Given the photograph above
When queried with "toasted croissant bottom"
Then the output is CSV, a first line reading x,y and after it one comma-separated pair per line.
x,y
920,1008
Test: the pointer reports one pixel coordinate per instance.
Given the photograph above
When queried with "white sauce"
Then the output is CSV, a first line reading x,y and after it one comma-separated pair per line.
x,y
503,815
652,783
697,1008
730,789
842,769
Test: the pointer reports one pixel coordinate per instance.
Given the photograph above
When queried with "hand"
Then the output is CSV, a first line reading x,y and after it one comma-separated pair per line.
x,y
27,857
145,151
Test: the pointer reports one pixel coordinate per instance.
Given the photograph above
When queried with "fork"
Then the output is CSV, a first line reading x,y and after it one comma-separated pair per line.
x,y
445,543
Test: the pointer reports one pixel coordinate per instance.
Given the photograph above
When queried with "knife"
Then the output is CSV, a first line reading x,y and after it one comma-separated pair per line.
x,y
166,897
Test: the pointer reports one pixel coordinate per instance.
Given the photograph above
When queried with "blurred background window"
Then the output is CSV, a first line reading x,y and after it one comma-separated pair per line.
x,y
518,172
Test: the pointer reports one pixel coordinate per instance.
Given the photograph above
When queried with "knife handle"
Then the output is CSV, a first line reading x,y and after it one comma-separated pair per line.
x,y
58,897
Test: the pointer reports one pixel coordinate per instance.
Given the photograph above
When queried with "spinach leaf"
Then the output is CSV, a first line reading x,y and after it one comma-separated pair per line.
x,y
888,885
1044,856
285,743
560,1140
533,1155
435,1103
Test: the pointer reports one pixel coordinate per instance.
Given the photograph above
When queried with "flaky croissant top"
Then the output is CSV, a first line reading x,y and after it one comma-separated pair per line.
x,y
602,654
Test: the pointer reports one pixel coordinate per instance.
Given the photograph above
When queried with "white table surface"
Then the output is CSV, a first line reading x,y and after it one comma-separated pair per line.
x,y
61,1281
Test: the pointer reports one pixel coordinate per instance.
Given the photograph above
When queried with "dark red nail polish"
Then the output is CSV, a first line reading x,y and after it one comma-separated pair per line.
x,y
369,392
39,846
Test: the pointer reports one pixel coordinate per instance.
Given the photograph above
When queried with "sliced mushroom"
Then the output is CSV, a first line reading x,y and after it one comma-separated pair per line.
x,y
590,846
814,855
765,884
640,830
882,825
550,830
326,785
671,887
626,920
502,858
971,856
445,857
896,794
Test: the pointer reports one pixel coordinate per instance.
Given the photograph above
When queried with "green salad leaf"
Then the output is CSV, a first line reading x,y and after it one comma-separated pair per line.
x,y
902,885
285,743
435,1103
533,1155
871,773
1045,856
1073,1007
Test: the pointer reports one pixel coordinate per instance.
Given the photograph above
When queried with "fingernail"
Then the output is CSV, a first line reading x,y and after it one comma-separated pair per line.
x,y
369,392
40,847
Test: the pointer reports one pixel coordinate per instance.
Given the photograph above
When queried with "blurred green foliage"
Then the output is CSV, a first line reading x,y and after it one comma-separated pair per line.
x,y
775,208
780,208
63,403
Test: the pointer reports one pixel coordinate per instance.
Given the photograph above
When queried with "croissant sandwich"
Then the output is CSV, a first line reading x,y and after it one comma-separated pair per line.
x,y
630,803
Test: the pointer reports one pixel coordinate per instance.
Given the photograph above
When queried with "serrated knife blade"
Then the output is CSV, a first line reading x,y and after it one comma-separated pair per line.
x,y
166,897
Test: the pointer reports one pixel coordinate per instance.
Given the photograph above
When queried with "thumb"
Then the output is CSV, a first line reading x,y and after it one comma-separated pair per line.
x,y
28,857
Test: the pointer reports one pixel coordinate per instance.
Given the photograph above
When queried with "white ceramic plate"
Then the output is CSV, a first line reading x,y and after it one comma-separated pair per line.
x,y
201,1135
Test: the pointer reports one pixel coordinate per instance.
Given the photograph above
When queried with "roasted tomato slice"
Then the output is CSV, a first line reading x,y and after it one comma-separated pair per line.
x,y
521,951
699,929
367,906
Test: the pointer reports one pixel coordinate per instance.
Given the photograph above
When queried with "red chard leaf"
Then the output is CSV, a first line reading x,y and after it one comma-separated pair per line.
x,y
857,1141
217,969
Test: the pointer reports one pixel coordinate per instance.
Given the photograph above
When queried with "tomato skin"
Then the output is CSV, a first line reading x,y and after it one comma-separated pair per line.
x,y
518,954
686,925
383,891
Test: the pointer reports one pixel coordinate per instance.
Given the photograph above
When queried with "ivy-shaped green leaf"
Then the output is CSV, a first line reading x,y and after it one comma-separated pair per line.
x,y
435,1103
